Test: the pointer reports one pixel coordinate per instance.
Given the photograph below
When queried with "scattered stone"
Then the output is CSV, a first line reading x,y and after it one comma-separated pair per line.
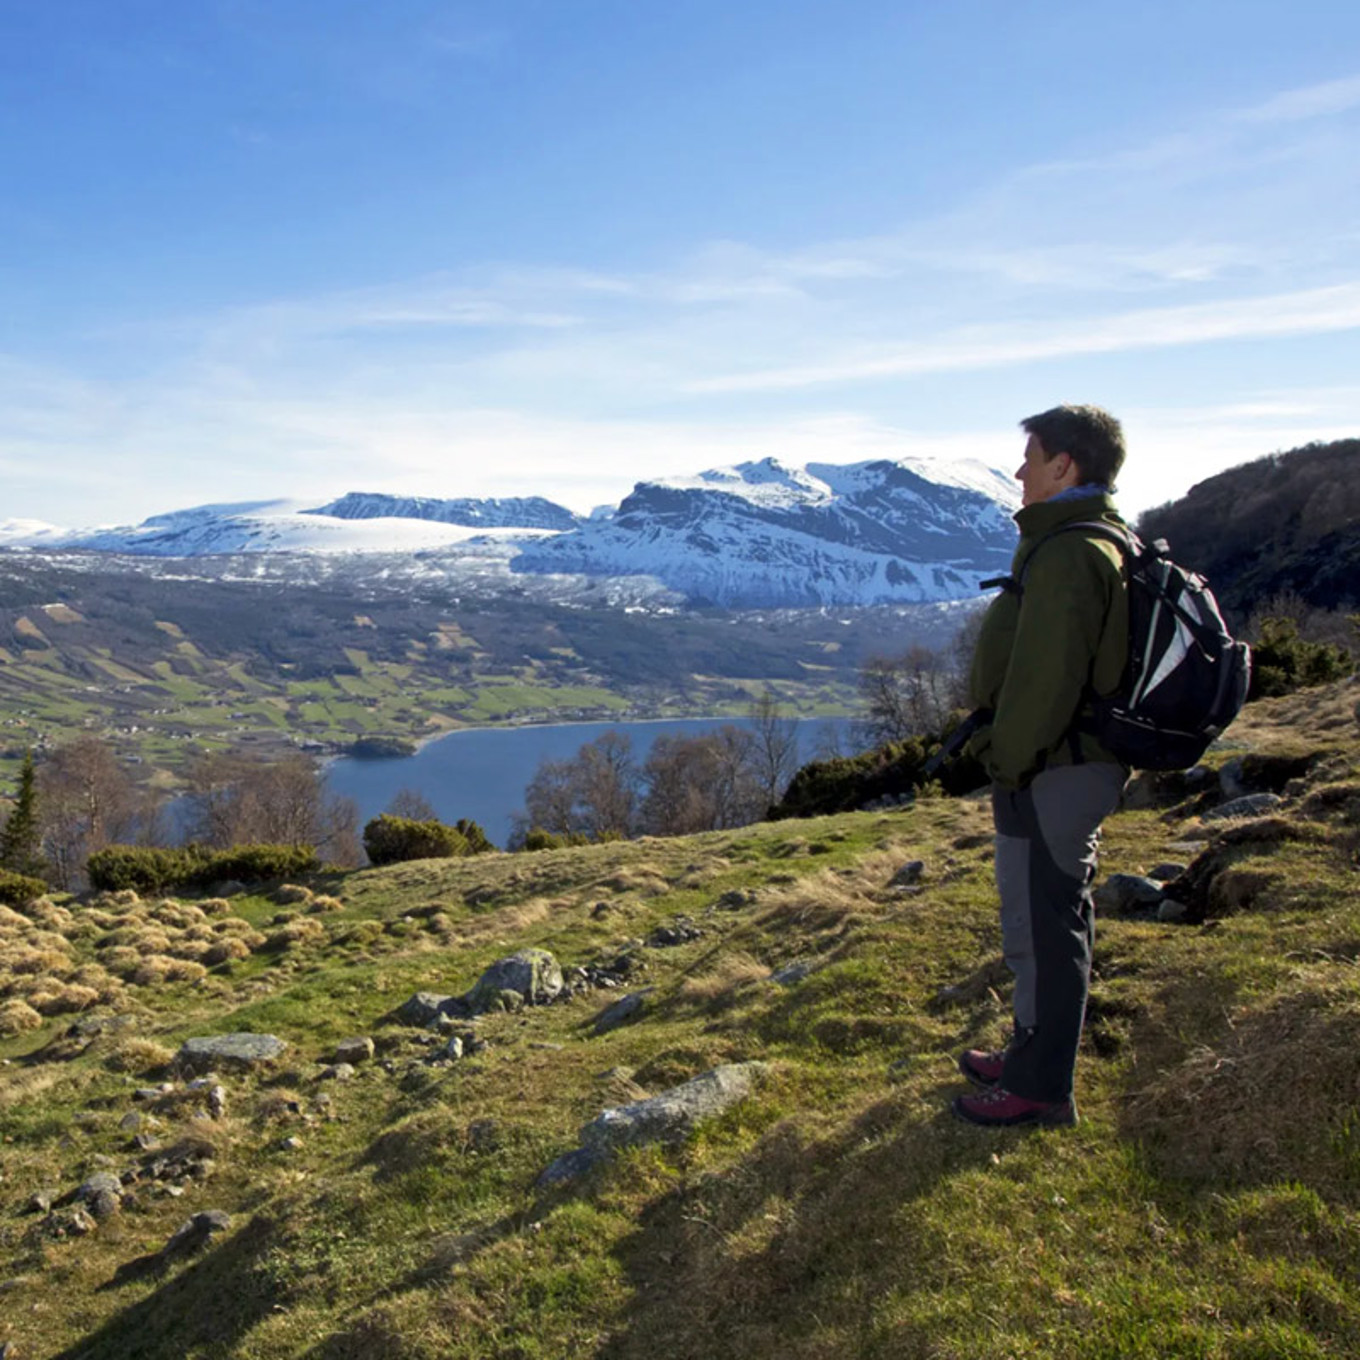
x,y
1170,910
146,1142
230,1051
1230,778
734,899
791,973
532,974
908,875
153,1092
1167,870
679,931
102,1182
1251,805
73,1221
194,1232
104,1204
453,1050
623,1010
217,1101
292,1143
570,1165
203,1083
600,910
131,1122
1122,894
423,1008
354,1050
41,1201
337,1072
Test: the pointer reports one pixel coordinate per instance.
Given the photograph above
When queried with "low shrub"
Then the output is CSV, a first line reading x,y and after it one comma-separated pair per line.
x,y
16,889
390,840
152,869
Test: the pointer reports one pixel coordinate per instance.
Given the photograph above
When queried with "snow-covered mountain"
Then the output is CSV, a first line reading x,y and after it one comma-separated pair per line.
x,y
765,535
758,535
516,512
362,524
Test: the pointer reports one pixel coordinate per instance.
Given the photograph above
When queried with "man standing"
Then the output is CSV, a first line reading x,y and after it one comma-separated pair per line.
x,y
1057,636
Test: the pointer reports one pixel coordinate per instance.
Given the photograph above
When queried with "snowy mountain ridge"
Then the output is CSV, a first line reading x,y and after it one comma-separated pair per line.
x,y
760,534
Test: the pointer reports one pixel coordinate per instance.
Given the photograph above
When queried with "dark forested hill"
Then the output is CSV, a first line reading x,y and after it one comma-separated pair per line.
x,y
1290,521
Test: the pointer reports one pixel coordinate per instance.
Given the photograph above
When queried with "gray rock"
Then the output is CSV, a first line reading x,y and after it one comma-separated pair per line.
x,y
908,875
70,1222
1167,870
337,1072
532,974
453,1050
423,1008
354,1050
734,899
1230,778
623,1010
217,1101
194,1232
1123,893
570,1165
1170,910
677,932
105,1204
153,1092
41,1201
102,1182
1251,805
242,1052
131,1122
791,973
674,1113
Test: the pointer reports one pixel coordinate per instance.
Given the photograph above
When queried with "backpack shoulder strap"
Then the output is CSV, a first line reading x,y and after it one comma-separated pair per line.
x,y
1125,539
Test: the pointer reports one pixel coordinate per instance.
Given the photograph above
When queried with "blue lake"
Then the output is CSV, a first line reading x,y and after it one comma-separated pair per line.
x,y
482,772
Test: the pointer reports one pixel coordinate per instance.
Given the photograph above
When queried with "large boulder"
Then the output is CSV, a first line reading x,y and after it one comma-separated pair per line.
x,y
229,1052
424,1008
532,973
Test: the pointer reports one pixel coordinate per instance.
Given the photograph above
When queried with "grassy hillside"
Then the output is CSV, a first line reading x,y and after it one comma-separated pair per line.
x,y
167,665
1208,1204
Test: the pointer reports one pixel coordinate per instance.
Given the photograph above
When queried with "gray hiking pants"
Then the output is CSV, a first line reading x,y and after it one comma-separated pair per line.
x,y
1047,837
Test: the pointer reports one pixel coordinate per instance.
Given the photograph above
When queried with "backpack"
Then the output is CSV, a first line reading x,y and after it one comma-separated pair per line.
x,y
1186,678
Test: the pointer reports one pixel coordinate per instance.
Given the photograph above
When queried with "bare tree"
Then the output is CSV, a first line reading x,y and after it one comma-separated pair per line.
x,y
594,793
702,783
774,758
413,805
908,695
87,801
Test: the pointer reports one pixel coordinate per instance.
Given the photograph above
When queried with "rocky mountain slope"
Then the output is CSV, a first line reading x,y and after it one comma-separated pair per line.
x,y
713,1123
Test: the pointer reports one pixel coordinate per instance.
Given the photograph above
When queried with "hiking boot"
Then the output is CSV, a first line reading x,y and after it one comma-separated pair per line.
x,y
1000,1108
981,1067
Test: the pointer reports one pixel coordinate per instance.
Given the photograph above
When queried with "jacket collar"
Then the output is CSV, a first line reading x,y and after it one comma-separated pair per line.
x,y
1044,516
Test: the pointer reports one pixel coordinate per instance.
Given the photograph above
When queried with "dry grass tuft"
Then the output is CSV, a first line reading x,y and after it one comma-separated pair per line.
x,y
322,902
16,1017
1277,1095
157,968
721,985
63,999
177,915
300,932
225,950
138,1056
214,906
292,894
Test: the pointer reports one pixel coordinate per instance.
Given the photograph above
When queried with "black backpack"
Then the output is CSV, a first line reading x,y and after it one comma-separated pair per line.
x,y
1186,679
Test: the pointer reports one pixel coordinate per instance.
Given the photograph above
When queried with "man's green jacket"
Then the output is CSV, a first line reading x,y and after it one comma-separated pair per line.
x,y
1041,654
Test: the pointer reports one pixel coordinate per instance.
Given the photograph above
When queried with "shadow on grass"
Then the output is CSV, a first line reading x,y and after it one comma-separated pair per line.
x,y
798,1237
212,1302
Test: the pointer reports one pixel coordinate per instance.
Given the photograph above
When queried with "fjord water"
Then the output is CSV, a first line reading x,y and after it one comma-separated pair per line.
x,y
482,772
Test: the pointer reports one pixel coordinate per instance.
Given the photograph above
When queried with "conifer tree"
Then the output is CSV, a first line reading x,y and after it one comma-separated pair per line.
x,y
21,836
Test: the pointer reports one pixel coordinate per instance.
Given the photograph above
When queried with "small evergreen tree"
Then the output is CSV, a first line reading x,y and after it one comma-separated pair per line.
x,y
21,836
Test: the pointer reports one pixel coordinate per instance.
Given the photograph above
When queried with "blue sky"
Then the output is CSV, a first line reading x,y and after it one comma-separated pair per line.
x,y
297,247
